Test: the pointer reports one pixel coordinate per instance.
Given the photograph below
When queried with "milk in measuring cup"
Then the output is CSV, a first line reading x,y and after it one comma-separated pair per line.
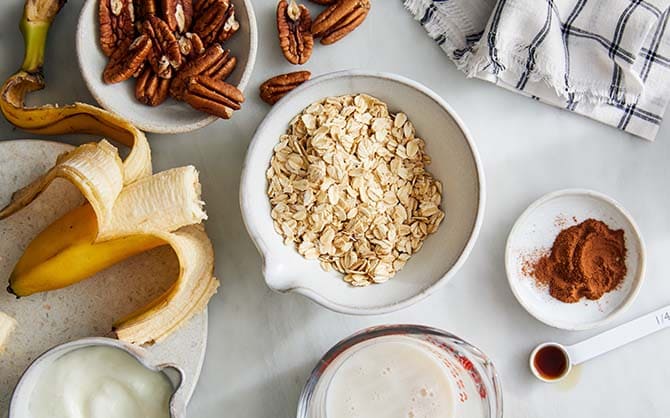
x,y
397,378
400,376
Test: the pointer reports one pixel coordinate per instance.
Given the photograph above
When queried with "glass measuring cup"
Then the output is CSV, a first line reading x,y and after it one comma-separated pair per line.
x,y
474,385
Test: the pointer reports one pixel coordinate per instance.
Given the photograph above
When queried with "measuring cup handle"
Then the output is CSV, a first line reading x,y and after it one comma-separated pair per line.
x,y
621,335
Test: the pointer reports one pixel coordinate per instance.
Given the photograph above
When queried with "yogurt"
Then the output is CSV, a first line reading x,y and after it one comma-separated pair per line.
x,y
392,378
100,382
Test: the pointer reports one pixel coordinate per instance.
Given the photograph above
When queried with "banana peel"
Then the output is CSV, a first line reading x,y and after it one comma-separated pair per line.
x,y
77,118
83,118
7,326
188,296
164,208
129,210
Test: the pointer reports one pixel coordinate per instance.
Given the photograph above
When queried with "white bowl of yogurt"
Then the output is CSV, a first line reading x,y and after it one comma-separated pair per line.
x,y
96,378
402,371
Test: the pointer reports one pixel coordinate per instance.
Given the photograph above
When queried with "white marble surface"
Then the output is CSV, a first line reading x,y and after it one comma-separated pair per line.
x,y
263,345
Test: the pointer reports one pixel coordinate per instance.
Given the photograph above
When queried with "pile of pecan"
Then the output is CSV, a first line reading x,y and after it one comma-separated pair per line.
x,y
172,48
297,32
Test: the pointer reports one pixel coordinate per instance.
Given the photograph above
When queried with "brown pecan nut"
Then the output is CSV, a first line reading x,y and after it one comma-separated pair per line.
x,y
277,87
190,45
216,22
165,54
294,26
178,14
324,2
230,25
340,19
223,67
146,8
117,24
140,69
151,89
215,97
124,63
201,6
214,63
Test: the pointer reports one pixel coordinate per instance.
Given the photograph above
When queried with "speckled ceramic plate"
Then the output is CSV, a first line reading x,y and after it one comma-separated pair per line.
x,y
89,307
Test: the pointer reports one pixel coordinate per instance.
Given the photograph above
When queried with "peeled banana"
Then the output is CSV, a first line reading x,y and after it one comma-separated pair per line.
x,y
47,263
7,326
128,209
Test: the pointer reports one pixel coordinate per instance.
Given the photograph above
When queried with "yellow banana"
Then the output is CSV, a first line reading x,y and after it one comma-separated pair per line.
x,y
129,210
66,253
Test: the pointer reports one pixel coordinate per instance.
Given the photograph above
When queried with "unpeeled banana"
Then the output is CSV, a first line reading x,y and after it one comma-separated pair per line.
x,y
129,210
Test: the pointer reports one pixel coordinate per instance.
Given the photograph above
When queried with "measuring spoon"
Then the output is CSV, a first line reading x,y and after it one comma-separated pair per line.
x,y
560,358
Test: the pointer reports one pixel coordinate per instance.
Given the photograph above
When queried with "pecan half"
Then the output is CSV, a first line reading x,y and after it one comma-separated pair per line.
x,y
216,21
294,26
201,6
215,97
190,45
277,87
140,69
230,25
117,24
151,89
178,14
223,68
146,8
165,55
124,63
324,2
215,63
340,19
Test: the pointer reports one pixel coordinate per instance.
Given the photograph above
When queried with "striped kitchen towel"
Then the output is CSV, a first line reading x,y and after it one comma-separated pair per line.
x,y
605,59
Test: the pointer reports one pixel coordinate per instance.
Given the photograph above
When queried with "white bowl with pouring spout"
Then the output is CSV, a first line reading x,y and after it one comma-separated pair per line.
x,y
455,162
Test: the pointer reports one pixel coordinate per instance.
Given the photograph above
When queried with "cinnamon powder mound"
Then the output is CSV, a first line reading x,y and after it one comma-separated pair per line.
x,y
586,260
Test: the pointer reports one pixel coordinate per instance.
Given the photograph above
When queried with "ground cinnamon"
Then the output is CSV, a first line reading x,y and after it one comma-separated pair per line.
x,y
586,260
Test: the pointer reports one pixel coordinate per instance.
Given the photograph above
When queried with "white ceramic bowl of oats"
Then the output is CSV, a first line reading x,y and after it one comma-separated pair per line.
x,y
455,164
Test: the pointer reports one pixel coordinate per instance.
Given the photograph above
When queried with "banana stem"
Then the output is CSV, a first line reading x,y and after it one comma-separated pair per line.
x,y
35,39
34,25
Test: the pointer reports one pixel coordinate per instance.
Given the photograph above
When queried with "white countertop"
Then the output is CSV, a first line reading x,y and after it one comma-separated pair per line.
x,y
263,345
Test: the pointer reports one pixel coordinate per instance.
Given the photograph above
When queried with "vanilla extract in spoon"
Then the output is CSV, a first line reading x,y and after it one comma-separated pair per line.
x,y
551,361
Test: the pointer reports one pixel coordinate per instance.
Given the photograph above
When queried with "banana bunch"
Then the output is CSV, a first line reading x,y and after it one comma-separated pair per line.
x,y
129,210
7,325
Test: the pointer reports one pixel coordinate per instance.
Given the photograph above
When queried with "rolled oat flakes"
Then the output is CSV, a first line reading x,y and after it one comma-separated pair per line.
x,y
348,187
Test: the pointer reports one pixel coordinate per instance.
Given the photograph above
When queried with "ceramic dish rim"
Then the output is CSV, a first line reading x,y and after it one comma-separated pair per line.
x,y
438,282
638,278
151,126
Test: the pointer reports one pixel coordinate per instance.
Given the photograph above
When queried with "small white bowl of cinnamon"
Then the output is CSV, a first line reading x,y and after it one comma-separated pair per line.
x,y
575,259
